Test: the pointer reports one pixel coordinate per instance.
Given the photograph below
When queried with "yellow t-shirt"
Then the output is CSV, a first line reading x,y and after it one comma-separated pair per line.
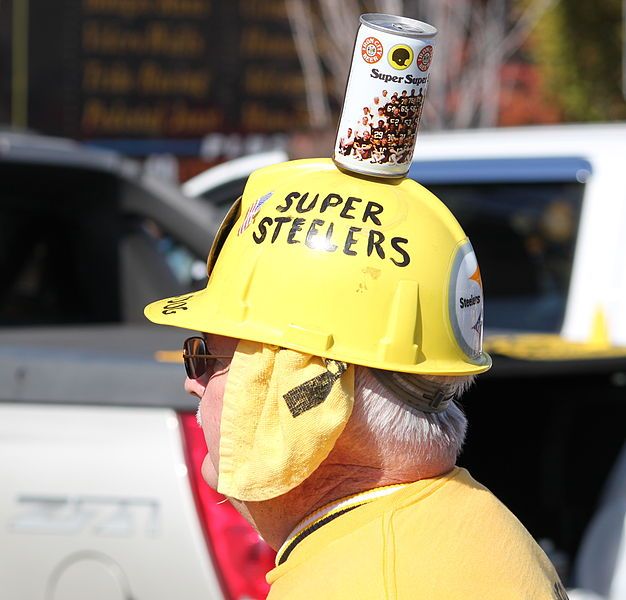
x,y
435,539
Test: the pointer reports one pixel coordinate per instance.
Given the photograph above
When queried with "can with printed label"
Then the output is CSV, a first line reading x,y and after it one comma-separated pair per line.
x,y
385,95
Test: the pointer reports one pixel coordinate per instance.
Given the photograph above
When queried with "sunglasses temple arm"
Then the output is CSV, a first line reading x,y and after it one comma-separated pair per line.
x,y
207,355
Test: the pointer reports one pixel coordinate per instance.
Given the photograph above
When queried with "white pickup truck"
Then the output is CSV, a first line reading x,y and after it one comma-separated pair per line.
x,y
101,496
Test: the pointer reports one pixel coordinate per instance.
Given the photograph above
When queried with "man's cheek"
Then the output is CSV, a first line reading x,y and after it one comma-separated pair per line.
x,y
210,418
209,472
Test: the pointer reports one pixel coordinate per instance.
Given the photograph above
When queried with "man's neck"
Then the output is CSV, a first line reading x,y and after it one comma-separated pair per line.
x,y
275,519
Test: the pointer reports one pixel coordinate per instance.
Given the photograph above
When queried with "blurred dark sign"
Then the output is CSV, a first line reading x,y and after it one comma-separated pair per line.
x,y
145,69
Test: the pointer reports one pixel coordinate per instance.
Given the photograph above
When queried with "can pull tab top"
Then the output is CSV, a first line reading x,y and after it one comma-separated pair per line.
x,y
402,27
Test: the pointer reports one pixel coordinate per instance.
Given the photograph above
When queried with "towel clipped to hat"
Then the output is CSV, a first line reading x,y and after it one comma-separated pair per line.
x,y
282,414
284,410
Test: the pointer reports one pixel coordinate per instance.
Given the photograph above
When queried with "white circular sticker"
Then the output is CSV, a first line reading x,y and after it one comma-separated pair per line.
x,y
466,301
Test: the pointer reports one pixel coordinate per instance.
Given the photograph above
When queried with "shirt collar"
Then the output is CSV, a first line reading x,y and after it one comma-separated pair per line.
x,y
328,513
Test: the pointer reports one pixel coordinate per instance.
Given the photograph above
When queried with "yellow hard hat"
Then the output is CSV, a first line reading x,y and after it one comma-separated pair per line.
x,y
341,266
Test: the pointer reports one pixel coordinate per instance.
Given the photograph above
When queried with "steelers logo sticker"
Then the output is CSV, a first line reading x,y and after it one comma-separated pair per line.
x,y
371,50
400,57
424,58
465,301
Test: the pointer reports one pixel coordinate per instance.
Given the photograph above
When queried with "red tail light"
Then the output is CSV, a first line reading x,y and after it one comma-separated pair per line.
x,y
241,556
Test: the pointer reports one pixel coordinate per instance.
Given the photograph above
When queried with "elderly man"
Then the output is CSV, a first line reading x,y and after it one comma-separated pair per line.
x,y
341,320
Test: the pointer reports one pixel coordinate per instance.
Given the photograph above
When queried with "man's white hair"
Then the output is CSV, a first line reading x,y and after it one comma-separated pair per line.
x,y
395,428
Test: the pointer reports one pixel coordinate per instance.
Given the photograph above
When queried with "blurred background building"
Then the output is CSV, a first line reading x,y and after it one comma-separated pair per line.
x,y
185,84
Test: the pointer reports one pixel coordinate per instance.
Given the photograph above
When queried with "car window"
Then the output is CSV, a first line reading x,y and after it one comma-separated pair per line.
x,y
185,266
524,235
58,252
69,253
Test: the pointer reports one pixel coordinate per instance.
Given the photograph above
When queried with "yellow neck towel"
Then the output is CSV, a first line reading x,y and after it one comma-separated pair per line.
x,y
283,411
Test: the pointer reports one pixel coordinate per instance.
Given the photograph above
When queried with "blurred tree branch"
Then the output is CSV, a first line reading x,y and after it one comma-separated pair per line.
x,y
579,50
476,38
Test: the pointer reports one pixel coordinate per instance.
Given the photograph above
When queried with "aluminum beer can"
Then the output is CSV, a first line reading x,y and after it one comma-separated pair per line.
x,y
384,96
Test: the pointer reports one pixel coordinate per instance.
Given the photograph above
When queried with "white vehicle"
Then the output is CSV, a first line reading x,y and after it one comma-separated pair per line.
x,y
224,182
100,454
515,191
563,187
545,208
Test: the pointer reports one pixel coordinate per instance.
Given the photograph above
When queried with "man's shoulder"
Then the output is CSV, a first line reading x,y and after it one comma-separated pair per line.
x,y
448,537
458,504
463,524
